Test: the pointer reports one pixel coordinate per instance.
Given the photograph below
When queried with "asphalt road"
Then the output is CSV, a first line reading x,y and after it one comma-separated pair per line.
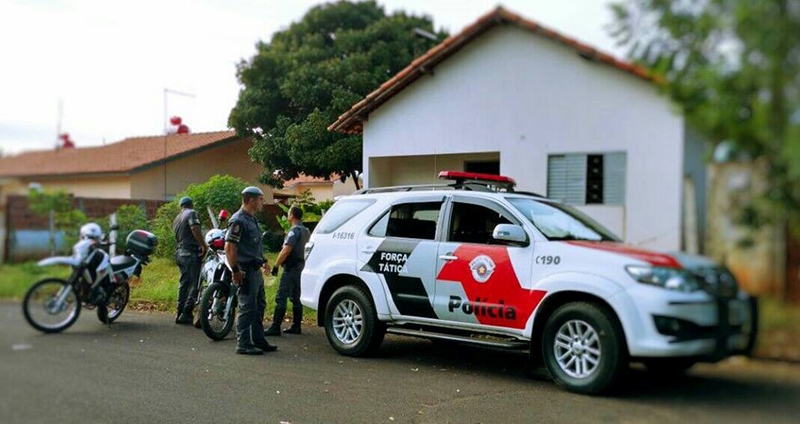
x,y
145,369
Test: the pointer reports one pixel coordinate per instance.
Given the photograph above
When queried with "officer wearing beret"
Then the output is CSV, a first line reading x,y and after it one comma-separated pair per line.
x,y
243,250
190,248
291,258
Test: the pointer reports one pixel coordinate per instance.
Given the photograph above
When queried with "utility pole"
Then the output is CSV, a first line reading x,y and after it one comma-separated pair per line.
x,y
167,92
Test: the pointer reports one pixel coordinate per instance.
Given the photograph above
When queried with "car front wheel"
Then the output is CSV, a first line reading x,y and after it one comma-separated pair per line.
x,y
583,349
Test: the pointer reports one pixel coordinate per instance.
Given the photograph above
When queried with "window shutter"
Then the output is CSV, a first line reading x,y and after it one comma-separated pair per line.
x,y
614,178
566,178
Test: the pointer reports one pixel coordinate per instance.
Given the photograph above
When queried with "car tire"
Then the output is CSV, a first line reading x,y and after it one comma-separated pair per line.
x,y
351,324
583,348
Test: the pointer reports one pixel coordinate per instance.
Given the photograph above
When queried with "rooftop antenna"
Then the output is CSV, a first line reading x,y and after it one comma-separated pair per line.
x,y
58,120
167,92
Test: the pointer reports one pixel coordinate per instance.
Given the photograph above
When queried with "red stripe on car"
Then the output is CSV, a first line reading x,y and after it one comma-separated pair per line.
x,y
653,258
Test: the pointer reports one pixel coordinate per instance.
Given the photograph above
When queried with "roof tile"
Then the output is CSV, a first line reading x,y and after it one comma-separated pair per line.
x,y
122,157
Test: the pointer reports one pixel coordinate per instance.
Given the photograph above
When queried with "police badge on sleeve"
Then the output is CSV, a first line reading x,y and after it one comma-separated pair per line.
x,y
482,268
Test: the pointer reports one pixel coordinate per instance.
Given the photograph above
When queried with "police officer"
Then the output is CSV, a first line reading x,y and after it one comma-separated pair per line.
x,y
292,259
190,248
243,249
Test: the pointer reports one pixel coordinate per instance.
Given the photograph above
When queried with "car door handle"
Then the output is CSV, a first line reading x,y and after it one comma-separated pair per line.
x,y
368,250
448,257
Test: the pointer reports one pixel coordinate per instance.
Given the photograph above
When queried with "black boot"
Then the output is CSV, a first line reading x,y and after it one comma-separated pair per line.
x,y
277,319
178,315
297,321
185,317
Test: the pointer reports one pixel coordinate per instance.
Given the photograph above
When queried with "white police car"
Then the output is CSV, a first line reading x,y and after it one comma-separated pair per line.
x,y
475,258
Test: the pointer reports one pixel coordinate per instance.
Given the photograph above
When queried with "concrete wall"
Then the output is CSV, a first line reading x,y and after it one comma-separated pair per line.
x,y
397,170
526,97
229,159
101,186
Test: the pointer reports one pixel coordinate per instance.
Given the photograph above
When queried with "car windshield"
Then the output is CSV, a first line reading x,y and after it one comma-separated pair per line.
x,y
561,222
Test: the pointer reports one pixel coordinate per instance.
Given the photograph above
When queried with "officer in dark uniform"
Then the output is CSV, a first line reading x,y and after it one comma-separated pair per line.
x,y
190,248
292,257
243,249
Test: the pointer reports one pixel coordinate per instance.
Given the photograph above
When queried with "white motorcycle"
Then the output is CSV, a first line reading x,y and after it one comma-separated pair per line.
x,y
98,280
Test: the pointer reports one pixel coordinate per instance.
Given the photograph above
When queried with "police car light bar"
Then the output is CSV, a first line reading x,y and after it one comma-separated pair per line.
x,y
460,177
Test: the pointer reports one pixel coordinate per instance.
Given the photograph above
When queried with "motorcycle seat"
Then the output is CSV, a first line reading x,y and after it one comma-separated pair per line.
x,y
122,262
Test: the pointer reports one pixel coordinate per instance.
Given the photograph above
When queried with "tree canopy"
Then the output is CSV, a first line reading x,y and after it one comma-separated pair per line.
x,y
310,73
734,67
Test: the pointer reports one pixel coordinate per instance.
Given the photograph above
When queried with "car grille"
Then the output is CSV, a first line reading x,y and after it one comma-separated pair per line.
x,y
717,281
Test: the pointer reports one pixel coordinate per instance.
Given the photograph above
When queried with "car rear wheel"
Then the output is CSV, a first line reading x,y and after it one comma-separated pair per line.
x,y
351,324
583,348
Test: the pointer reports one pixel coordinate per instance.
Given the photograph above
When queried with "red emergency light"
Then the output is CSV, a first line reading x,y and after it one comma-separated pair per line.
x,y
473,177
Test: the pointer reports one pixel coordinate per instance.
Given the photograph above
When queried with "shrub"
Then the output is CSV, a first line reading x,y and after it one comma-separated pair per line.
x,y
273,241
129,218
161,226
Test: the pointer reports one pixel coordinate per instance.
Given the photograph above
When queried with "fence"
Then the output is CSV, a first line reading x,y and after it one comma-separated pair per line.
x,y
28,235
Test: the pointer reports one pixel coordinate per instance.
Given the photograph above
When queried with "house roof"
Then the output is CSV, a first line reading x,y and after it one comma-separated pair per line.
x,y
305,180
351,121
125,156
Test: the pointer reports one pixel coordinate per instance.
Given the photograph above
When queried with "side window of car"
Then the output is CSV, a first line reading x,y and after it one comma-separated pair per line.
x,y
474,224
409,220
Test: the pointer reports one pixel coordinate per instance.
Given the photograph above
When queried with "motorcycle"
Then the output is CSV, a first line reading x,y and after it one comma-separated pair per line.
x,y
215,240
219,300
99,280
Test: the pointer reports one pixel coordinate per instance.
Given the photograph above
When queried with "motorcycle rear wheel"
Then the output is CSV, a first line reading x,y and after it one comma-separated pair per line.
x,y
117,302
216,324
41,303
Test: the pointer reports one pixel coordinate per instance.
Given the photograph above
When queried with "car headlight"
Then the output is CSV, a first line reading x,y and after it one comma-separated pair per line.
x,y
668,278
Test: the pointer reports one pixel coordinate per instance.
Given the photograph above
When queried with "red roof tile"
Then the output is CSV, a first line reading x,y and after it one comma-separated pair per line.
x,y
351,121
122,157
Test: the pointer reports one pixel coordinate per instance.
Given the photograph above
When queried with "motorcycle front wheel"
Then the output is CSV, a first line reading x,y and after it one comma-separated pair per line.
x,y
117,302
215,320
51,305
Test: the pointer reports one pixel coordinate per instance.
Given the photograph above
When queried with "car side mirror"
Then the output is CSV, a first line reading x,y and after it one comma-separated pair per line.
x,y
510,233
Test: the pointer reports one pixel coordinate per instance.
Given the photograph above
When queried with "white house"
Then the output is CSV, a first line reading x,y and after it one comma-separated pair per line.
x,y
510,96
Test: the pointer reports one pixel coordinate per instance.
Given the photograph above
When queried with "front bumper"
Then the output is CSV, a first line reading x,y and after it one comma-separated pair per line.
x,y
693,325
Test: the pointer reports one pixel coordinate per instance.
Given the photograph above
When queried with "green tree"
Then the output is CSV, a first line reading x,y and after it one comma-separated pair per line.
x,y
734,67
66,218
307,75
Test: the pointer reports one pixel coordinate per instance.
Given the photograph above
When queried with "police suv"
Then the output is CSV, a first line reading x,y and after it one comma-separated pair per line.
x,y
476,262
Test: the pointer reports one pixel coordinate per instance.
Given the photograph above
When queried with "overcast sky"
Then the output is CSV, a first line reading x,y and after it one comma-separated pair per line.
x,y
108,61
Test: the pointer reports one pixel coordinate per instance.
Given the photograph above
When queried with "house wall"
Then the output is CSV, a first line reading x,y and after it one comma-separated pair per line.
x,y
390,171
102,186
513,92
229,159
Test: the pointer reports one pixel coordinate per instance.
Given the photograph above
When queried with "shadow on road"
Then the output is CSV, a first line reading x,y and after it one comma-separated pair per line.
x,y
705,386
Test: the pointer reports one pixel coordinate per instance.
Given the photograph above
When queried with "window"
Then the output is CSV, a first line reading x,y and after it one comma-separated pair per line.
x,y
474,224
409,220
580,179
341,212
483,167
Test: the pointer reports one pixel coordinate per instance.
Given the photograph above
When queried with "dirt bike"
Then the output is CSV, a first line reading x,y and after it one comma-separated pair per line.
x,y
99,280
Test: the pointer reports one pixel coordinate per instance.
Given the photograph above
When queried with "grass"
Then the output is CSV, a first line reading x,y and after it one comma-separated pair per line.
x,y
156,290
15,280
